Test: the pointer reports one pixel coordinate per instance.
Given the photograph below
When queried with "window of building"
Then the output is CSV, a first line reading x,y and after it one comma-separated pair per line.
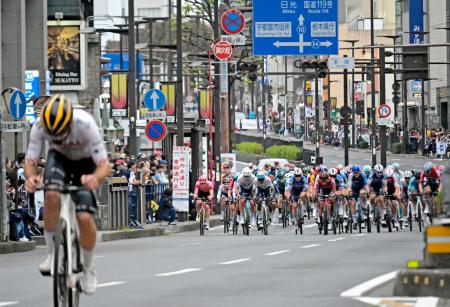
x,y
150,12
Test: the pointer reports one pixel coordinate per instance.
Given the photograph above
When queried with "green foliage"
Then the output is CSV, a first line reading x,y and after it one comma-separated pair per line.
x,y
250,148
396,148
289,152
364,145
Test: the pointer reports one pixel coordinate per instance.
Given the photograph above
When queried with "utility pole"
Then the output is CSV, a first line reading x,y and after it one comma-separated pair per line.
x,y
383,141
263,97
405,117
285,93
150,50
422,115
133,146
216,99
179,85
346,140
372,77
317,109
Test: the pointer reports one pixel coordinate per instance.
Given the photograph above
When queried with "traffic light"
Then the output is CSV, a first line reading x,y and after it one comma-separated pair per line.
x,y
415,63
269,93
320,65
396,92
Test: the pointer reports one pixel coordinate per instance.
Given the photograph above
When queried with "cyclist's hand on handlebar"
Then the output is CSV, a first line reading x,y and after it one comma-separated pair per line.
x,y
32,183
90,182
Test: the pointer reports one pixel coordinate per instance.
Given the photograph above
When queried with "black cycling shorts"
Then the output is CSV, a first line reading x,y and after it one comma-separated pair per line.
x,y
61,171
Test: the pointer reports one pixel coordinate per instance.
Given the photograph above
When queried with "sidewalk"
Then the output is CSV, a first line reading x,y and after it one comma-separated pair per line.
x,y
150,230
16,247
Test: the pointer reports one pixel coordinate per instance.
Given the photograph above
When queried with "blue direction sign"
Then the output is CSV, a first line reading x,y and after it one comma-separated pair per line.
x,y
295,27
17,104
154,100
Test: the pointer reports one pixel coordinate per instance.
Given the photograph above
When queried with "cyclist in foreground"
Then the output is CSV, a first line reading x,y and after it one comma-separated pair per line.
x,y
76,156
204,189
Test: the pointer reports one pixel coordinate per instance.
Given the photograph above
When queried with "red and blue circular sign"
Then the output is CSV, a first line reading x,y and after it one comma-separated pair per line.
x,y
155,130
233,21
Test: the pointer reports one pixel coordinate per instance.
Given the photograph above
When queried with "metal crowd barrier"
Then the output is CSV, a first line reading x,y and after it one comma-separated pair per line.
x,y
147,193
113,204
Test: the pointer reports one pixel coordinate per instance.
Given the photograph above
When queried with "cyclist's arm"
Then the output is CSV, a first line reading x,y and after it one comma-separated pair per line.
x,y
37,139
196,190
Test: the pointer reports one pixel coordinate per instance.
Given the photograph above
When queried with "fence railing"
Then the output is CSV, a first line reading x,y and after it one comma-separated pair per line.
x,y
113,204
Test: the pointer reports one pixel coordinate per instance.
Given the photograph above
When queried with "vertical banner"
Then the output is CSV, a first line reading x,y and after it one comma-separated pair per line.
x,y
66,55
118,88
416,22
205,105
48,81
169,90
180,177
31,90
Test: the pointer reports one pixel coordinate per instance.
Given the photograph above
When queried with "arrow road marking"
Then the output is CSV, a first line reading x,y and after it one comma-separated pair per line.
x,y
235,261
179,272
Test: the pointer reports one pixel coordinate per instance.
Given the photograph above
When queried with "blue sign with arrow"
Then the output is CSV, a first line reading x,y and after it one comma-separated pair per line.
x,y
295,27
154,100
17,104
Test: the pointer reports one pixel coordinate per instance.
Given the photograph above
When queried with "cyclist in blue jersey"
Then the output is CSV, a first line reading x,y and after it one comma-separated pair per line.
x,y
296,189
357,182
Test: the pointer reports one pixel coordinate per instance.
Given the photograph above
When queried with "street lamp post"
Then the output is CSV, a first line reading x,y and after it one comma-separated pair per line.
x,y
353,42
372,77
132,82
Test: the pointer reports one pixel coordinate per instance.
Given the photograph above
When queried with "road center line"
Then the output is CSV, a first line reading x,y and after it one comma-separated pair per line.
x,y
278,252
360,289
8,303
111,284
337,239
178,272
309,246
310,226
235,261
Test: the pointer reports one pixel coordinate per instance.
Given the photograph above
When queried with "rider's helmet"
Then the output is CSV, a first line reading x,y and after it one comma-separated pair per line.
x,y
202,179
260,176
408,174
395,166
56,117
367,168
378,168
297,172
339,167
356,168
416,173
332,171
389,171
343,172
348,169
226,180
302,165
246,173
427,167
323,169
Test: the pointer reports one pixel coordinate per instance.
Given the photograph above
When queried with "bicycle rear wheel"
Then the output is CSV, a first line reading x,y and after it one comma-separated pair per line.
x,y
284,214
202,222
226,219
62,293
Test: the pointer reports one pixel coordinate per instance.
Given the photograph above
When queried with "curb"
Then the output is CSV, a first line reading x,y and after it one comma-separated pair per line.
x,y
16,247
152,232
423,282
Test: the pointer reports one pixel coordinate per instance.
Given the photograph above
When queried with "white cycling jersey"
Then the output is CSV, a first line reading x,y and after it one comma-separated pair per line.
x,y
84,140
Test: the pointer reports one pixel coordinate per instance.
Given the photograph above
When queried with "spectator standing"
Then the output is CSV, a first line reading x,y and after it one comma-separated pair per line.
x,y
160,175
133,184
166,210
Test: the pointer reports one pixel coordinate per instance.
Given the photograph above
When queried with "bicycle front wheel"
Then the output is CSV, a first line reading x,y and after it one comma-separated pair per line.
x,y
62,293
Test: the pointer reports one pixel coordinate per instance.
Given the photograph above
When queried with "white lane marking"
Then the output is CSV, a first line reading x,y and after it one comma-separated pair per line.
x,y
178,272
401,301
111,284
310,226
360,234
99,257
337,239
8,303
309,246
235,261
360,289
217,227
278,252
188,244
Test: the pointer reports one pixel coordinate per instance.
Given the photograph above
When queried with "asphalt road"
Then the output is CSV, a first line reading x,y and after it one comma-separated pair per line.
x,y
185,269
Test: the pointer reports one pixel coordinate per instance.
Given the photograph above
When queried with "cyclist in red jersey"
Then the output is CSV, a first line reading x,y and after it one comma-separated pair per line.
x,y
325,186
204,189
